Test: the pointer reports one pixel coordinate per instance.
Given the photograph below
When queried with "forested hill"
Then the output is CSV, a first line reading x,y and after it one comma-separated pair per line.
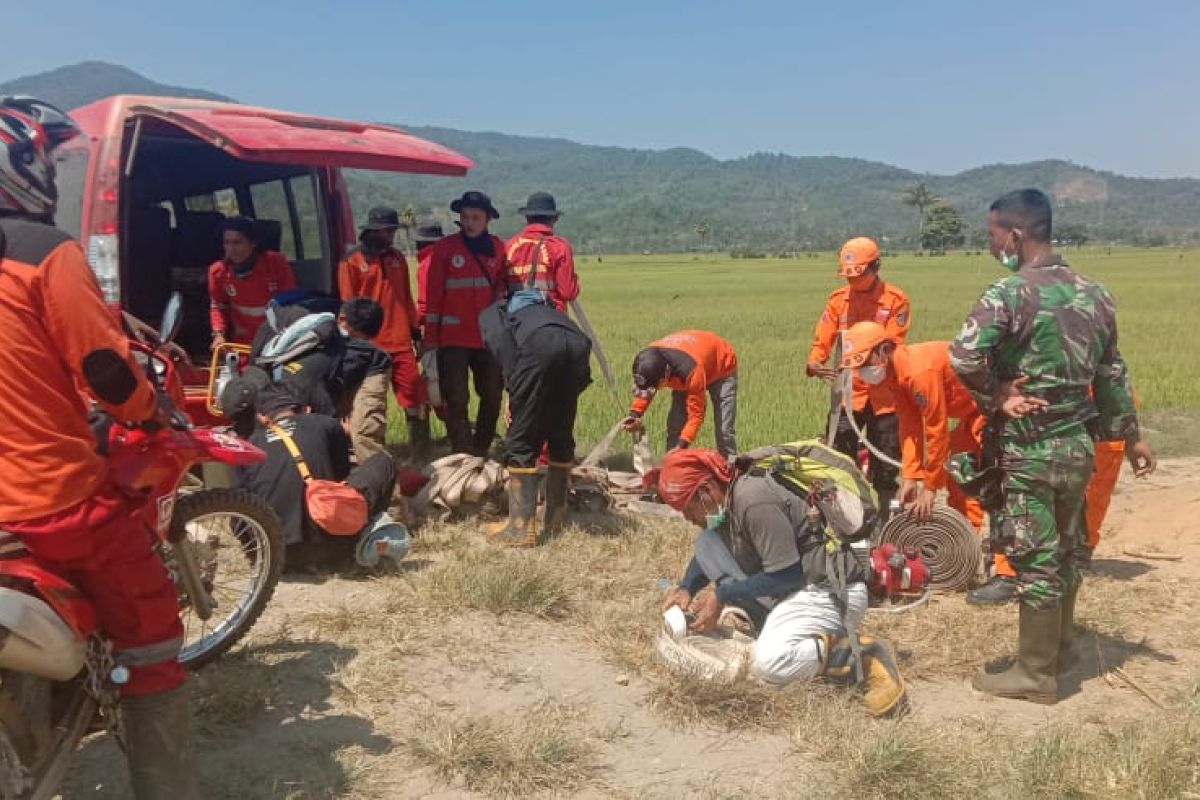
x,y
619,199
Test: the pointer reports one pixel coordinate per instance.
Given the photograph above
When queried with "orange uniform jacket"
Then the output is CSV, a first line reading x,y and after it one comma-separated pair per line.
x,y
459,285
239,304
554,272
928,395
715,359
56,337
385,280
885,304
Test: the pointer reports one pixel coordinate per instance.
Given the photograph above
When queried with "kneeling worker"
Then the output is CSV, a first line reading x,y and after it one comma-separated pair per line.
x,y
297,442
544,358
764,556
928,395
692,364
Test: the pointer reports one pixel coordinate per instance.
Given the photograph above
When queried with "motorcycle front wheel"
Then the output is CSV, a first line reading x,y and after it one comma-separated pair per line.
x,y
236,542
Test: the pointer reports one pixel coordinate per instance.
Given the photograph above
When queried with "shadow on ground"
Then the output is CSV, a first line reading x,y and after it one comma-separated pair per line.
x,y
260,730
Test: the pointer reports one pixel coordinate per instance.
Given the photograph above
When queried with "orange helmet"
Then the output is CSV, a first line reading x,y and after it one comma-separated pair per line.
x,y
858,342
857,254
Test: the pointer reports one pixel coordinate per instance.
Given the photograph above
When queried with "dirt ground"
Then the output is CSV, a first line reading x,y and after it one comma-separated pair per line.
x,y
347,683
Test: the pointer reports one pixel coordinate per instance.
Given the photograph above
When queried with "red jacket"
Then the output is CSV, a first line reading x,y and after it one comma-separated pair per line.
x,y
554,272
459,286
424,254
384,279
239,304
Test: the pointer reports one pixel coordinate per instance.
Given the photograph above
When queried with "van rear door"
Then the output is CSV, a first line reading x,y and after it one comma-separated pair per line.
x,y
266,135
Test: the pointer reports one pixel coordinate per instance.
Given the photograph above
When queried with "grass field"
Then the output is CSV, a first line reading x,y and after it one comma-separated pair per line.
x,y
767,308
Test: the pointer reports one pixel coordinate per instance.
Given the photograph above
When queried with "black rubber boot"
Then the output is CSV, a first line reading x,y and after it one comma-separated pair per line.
x,y
418,436
1068,651
1000,590
160,755
1032,676
885,505
521,528
558,483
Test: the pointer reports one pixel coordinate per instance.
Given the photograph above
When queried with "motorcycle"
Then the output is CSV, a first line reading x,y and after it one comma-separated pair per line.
x,y
223,548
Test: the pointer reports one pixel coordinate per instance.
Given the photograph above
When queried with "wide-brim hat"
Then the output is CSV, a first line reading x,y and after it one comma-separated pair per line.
x,y
428,232
475,200
382,218
540,204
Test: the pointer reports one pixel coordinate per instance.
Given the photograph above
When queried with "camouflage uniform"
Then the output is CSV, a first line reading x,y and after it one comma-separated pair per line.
x,y
1058,328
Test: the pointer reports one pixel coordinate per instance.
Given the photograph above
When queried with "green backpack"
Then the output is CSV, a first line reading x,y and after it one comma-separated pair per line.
x,y
824,477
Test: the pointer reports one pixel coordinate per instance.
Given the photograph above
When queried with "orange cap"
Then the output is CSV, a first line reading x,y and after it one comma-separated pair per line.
x,y
858,342
857,254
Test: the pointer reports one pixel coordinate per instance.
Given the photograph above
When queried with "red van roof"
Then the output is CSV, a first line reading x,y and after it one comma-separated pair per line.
x,y
265,134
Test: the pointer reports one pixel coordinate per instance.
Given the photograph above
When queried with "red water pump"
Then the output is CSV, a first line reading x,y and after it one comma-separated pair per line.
x,y
897,572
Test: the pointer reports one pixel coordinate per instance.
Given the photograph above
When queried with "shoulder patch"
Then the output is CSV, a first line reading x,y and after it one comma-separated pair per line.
x,y
30,242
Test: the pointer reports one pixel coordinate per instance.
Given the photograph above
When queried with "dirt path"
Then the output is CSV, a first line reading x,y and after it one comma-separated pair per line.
x,y
313,708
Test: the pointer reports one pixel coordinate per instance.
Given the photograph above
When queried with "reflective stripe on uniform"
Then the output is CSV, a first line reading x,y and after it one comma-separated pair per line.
x,y
466,283
149,654
11,546
444,319
250,311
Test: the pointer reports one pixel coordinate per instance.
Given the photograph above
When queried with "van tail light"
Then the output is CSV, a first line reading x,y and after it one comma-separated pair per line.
x,y
102,256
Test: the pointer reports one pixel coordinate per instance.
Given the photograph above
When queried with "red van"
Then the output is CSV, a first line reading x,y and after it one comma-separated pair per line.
x,y
145,191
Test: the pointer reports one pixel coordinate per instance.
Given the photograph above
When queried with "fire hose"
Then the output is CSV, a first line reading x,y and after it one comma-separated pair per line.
x,y
946,542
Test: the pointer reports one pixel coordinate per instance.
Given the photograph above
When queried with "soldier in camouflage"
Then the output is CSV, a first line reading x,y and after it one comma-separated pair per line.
x,y
1032,351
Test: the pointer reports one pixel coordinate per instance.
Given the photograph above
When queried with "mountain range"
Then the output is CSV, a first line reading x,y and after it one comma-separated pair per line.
x,y
621,199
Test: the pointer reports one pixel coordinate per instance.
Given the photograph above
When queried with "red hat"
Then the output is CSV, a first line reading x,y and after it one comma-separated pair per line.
x,y
685,471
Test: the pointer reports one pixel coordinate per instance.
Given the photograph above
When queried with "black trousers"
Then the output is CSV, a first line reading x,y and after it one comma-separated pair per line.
x,y
883,430
550,371
456,367
376,479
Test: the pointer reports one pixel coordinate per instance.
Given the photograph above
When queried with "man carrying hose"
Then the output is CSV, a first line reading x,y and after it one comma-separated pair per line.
x,y
928,396
692,364
865,297
1039,353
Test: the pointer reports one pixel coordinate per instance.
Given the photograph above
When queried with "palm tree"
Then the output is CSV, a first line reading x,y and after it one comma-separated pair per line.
x,y
921,198
408,221
703,230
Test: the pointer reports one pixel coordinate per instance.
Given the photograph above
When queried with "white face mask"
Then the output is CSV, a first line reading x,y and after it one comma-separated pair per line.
x,y
872,374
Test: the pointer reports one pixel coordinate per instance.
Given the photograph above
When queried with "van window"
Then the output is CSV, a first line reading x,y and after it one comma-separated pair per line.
x,y
200,202
71,165
292,202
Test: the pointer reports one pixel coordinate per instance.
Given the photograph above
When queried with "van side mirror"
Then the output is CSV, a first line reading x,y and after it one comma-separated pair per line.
x,y
172,318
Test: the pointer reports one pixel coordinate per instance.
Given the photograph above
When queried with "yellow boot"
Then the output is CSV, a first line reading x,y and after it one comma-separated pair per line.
x,y
883,688
521,529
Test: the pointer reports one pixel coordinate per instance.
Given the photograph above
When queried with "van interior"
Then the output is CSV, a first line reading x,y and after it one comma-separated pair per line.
x,y
177,192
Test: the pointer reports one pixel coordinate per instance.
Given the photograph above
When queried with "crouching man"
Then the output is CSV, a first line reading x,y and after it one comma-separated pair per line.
x,y
301,446
763,554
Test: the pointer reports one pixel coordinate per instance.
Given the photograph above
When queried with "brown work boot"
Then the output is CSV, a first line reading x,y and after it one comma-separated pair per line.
x,y
558,484
884,693
1032,675
521,527
1068,650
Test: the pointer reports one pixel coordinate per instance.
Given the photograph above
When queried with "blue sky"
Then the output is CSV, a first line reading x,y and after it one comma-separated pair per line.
x,y
933,86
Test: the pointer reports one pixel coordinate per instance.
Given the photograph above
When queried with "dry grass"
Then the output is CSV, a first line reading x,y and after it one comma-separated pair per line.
x,y
499,583
544,749
947,638
231,694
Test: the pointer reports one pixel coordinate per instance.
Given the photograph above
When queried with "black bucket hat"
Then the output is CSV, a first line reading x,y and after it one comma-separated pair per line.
x,y
429,232
382,218
475,199
540,204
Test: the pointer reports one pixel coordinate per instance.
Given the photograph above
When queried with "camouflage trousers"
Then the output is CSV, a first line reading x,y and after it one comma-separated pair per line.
x,y
1042,520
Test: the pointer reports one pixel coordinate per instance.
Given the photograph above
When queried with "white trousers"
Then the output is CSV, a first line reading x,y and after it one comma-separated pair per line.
x,y
786,649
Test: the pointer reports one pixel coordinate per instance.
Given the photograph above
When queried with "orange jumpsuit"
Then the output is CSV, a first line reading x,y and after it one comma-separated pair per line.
x,y
1109,456
928,395
884,303
715,360
385,279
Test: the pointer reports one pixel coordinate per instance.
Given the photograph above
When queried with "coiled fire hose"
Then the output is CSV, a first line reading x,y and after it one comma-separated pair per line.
x,y
946,542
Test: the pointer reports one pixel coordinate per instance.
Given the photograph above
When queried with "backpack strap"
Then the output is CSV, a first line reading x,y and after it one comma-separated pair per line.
x,y
531,279
290,444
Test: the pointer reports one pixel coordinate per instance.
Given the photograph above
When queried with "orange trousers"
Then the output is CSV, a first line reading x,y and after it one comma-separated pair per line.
x,y
1109,456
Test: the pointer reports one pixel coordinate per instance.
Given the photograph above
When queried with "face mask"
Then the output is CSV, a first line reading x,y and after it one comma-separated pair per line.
x,y
873,374
714,521
861,283
1010,261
